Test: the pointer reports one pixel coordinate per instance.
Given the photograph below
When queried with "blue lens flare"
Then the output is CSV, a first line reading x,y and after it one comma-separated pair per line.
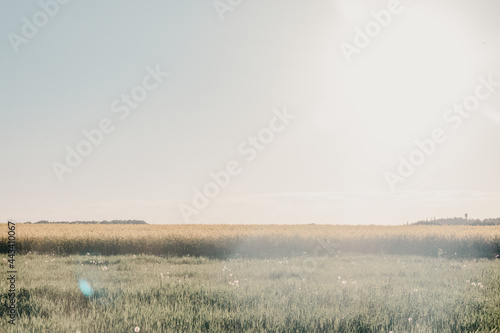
x,y
85,287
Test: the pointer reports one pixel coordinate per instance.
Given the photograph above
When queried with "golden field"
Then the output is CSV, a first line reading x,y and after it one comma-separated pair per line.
x,y
254,240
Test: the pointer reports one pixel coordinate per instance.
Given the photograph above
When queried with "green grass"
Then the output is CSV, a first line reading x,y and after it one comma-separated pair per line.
x,y
301,294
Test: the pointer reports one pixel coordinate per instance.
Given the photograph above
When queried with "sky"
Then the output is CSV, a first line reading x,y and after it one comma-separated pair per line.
x,y
283,111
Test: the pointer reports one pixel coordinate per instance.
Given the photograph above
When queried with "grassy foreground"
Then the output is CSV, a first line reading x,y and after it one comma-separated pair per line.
x,y
308,293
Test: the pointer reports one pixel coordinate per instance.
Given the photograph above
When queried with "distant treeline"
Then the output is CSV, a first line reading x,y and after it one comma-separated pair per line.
x,y
92,222
459,221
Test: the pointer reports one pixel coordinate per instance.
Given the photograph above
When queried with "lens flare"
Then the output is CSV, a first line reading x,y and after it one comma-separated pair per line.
x,y
85,287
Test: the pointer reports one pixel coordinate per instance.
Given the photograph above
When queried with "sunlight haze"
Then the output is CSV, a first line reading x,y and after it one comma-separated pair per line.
x,y
263,104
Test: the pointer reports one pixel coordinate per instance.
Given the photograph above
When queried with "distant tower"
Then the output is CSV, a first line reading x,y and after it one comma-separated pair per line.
x,y
466,216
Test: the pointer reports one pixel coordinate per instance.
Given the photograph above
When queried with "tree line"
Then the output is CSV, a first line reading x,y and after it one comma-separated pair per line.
x,y
459,221
91,222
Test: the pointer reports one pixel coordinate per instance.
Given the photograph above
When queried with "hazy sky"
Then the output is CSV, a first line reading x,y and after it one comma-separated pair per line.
x,y
312,105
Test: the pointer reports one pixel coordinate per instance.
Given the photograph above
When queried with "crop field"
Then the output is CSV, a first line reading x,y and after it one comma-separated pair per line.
x,y
114,278
264,241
